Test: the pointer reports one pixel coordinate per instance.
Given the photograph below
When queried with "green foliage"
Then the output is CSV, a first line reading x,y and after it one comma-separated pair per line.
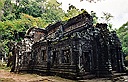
x,y
72,12
7,29
30,8
8,10
123,35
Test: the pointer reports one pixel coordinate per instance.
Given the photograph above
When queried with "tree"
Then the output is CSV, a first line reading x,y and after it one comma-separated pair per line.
x,y
123,35
8,11
106,19
52,12
31,8
72,12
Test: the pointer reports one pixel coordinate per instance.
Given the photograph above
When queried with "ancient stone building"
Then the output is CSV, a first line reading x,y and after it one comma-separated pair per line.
x,y
73,49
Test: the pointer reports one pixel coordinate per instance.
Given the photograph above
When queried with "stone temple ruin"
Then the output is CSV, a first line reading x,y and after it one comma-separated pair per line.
x,y
74,49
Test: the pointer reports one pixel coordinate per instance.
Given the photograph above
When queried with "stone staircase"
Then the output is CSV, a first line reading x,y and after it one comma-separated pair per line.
x,y
119,77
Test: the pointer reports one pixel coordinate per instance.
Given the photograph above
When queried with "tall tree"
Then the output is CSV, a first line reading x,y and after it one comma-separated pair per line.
x,y
106,19
72,12
7,10
32,8
123,35
52,12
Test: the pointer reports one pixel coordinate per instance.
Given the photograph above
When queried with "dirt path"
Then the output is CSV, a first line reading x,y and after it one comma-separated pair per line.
x,y
6,76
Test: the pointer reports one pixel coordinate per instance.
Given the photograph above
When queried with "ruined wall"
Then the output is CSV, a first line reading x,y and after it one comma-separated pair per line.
x,y
72,49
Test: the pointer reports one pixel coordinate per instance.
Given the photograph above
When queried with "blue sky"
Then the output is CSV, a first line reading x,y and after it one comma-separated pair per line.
x,y
118,9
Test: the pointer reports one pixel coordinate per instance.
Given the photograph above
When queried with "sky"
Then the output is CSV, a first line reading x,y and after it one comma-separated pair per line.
x,y
117,8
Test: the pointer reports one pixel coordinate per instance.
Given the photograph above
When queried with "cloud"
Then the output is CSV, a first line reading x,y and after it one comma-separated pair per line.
x,y
118,8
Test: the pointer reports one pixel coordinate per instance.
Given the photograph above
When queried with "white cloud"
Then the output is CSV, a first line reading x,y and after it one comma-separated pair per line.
x,y
118,8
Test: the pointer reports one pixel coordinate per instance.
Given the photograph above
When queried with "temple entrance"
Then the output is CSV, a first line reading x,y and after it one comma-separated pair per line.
x,y
86,61
66,56
44,55
55,58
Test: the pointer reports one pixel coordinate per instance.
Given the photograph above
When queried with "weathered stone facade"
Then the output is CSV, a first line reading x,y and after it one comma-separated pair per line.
x,y
72,49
